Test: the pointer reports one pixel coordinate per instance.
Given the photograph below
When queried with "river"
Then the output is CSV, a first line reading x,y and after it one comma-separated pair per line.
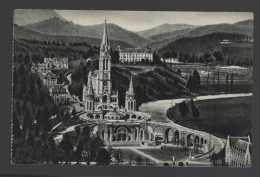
x,y
158,109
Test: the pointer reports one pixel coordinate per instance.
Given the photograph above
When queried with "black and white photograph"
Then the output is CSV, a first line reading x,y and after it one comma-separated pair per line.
x,y
132,88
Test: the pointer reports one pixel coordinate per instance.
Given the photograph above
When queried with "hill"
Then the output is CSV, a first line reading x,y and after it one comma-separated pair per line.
x,y
170,35
243,27
29,16
164,28
21,32
245,22
241,50
160,83
58,27
237,28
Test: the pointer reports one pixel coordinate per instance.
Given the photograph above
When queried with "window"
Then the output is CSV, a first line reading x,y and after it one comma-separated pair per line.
x,y
121,134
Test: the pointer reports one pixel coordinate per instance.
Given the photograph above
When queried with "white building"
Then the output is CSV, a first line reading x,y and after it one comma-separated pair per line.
x,y
135,55
59,94
170,60
49,79
57,63
225,42
238,151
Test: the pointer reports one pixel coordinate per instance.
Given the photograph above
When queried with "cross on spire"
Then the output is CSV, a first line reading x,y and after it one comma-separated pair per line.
x,y
105,44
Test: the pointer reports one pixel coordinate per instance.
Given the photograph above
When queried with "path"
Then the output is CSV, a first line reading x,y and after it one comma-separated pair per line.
x,y
68,129
135,149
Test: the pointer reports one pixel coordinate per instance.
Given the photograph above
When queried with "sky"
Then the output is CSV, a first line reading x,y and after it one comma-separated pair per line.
x,y
142,20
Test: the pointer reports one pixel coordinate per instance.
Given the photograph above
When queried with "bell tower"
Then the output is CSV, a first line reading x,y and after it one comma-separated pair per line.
x,y
104,80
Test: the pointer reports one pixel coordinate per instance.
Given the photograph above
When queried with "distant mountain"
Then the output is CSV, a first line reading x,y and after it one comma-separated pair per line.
x,y
56,26
236,28
170,35
29,16
164,28
243,27
21,32
245,22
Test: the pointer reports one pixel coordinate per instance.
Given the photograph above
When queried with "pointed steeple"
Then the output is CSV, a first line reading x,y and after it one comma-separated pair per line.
x,y
105,44
90,90
131,89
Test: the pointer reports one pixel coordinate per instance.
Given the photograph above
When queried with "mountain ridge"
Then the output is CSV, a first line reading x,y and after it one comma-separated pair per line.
x,y
164,28
29,16
57,26
20,32
244,27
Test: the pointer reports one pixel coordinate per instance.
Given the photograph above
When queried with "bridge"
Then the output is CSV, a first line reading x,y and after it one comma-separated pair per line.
x,y
175,134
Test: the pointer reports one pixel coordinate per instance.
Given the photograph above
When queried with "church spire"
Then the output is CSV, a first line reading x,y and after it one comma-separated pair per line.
x,y
131,89
105,44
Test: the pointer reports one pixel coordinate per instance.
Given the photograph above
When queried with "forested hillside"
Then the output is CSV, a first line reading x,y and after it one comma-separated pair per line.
x,y
238,49
24,33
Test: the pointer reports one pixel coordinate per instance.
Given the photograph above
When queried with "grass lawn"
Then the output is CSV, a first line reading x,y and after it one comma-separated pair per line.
x,y
167,153
221,117
126,154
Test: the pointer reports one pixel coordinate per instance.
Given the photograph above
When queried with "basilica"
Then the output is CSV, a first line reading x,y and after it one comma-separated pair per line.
x,y
114,125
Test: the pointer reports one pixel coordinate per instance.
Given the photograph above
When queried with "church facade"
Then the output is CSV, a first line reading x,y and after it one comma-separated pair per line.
x,y
238,151
115,126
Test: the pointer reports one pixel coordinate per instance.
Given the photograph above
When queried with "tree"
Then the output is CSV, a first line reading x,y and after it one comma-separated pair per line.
x,y
218,81
86,139
54,109
130,158
103,157
190,83
78,152
180,57
27,123
227,83
119,156
147,161
67,147
195,111
17,132
213,82
139,160
196,78
77,130
218,56
206,56
26,59
167,55
183,108
67,116
179,72
52,151
231,84
156,59
46,125
114,56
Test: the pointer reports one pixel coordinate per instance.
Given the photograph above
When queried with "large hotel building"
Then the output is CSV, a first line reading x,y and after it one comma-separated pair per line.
x,y
135,55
